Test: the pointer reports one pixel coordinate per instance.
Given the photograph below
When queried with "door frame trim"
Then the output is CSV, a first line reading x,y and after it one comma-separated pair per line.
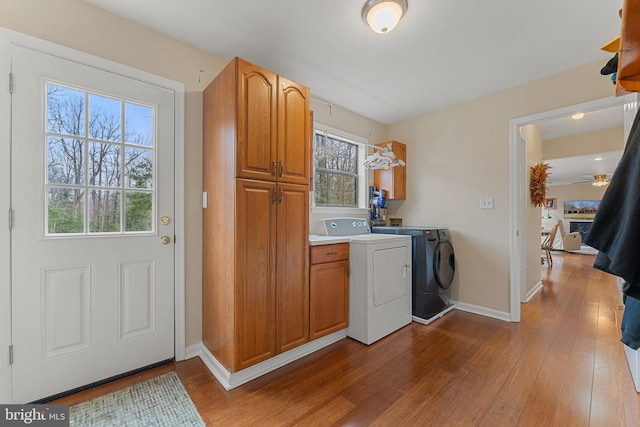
x,y
9,38
518,188
5,235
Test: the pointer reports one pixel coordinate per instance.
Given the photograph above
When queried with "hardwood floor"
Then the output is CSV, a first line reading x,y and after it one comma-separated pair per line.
x,y
563,365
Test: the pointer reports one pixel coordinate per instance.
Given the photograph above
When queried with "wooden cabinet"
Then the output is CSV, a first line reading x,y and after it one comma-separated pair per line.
x,y
329,289
273,118
393,180
256,223
292,279
628,77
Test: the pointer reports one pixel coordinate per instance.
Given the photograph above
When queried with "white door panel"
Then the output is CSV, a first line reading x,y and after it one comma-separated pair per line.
x,y
92,283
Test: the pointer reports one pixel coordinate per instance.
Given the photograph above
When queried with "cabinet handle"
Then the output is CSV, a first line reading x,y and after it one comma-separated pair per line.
x,y
280,198
273,196
332,253
281,168
273,168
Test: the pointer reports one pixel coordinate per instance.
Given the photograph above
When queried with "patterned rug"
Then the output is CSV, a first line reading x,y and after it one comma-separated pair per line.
x,y
160,401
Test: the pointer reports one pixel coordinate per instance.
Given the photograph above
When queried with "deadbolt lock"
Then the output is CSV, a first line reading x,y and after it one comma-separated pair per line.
x,y
165,220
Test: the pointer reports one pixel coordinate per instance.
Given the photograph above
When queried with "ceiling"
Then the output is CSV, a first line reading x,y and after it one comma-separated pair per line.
x,y
580,169
441,53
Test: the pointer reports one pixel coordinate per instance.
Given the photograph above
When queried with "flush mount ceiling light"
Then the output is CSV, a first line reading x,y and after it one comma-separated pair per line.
x,y
383,15
577,116
600,180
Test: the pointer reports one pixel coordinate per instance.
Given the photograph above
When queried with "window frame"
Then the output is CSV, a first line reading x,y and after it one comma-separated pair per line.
x,y
363,176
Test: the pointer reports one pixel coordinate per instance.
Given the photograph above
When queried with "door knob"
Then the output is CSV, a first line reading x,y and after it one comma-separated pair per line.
x,y
165,240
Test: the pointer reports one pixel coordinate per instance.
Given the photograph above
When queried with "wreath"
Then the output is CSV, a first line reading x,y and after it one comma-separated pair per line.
x,y
538,183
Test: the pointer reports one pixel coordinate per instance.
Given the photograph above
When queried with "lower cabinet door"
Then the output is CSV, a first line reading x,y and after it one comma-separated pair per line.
x,y
329,298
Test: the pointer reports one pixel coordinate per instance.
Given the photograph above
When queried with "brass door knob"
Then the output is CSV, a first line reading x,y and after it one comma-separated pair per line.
x,y
165,240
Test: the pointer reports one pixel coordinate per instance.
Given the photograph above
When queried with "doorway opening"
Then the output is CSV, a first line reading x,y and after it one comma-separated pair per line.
x,y
518,186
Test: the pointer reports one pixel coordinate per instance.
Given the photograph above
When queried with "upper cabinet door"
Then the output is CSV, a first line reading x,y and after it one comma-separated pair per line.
x,y
294,128
256,121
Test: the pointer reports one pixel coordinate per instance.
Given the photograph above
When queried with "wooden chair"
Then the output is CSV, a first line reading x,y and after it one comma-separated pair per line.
x,y
547,244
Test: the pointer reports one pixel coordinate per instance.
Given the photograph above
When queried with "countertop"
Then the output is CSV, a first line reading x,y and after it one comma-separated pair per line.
x,y
317,240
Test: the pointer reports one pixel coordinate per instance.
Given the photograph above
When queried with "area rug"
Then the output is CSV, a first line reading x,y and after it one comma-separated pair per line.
x,y
160,401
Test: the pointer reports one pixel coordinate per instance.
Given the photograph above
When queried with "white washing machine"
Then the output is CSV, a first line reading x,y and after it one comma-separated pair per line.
x,y
379,281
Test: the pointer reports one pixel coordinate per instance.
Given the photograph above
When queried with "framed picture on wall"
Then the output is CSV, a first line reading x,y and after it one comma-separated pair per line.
x,y
551,204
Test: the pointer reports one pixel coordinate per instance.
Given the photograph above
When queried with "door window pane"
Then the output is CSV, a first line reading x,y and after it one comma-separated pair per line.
x,y
139,124
90,175
65,210
139,211
65,160
65,110
104,164
104,211
104,118
139,168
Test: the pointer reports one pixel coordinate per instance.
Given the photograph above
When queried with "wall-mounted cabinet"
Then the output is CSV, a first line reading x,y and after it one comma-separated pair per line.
x,y
393,180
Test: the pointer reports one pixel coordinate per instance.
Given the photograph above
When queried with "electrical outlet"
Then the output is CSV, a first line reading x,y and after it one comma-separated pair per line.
x,y
486,202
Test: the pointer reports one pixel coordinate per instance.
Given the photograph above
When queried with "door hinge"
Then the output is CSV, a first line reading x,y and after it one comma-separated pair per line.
x,y
10,219
11,354
10,82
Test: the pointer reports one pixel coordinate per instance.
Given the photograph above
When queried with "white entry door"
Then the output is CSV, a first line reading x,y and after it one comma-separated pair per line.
x,y
92,228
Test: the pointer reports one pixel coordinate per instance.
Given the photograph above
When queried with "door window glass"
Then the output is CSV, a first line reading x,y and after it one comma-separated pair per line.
x,y
100,153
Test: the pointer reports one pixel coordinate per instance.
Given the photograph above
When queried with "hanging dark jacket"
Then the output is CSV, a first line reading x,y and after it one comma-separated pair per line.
x,y
615,231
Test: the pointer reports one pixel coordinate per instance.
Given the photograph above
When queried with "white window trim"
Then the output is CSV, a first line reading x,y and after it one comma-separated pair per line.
x,y
363,176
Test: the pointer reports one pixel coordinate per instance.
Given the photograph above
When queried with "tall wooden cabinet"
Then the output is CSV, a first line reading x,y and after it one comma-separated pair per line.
x,y
393,180
256,224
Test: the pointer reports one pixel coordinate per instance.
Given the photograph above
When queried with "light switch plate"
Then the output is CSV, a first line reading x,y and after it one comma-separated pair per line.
x,y
486,202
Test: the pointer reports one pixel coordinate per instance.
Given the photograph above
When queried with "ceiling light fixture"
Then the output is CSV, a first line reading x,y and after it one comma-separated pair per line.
x,y
383,15
577,116
600,180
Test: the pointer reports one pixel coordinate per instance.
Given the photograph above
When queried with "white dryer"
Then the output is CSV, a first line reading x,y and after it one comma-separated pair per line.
x,y
379,286
379,279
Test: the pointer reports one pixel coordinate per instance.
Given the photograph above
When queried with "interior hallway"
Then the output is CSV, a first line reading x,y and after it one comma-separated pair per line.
x,y
563,365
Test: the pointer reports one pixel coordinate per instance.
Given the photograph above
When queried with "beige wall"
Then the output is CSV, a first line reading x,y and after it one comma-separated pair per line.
x,y
533,137
583,144
461,153
86,28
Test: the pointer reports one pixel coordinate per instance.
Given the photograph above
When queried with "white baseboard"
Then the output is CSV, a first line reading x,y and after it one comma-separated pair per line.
x,y
634,365
534,291
483,311
232,380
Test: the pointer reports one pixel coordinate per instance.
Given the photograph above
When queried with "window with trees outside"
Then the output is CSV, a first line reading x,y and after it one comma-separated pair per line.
x,y
99,161
338,174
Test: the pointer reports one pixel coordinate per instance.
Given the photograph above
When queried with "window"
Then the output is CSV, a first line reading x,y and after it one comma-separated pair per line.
x,y
339,177
100,172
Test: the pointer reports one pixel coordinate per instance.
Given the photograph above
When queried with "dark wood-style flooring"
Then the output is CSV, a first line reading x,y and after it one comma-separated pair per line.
x,y
563,365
